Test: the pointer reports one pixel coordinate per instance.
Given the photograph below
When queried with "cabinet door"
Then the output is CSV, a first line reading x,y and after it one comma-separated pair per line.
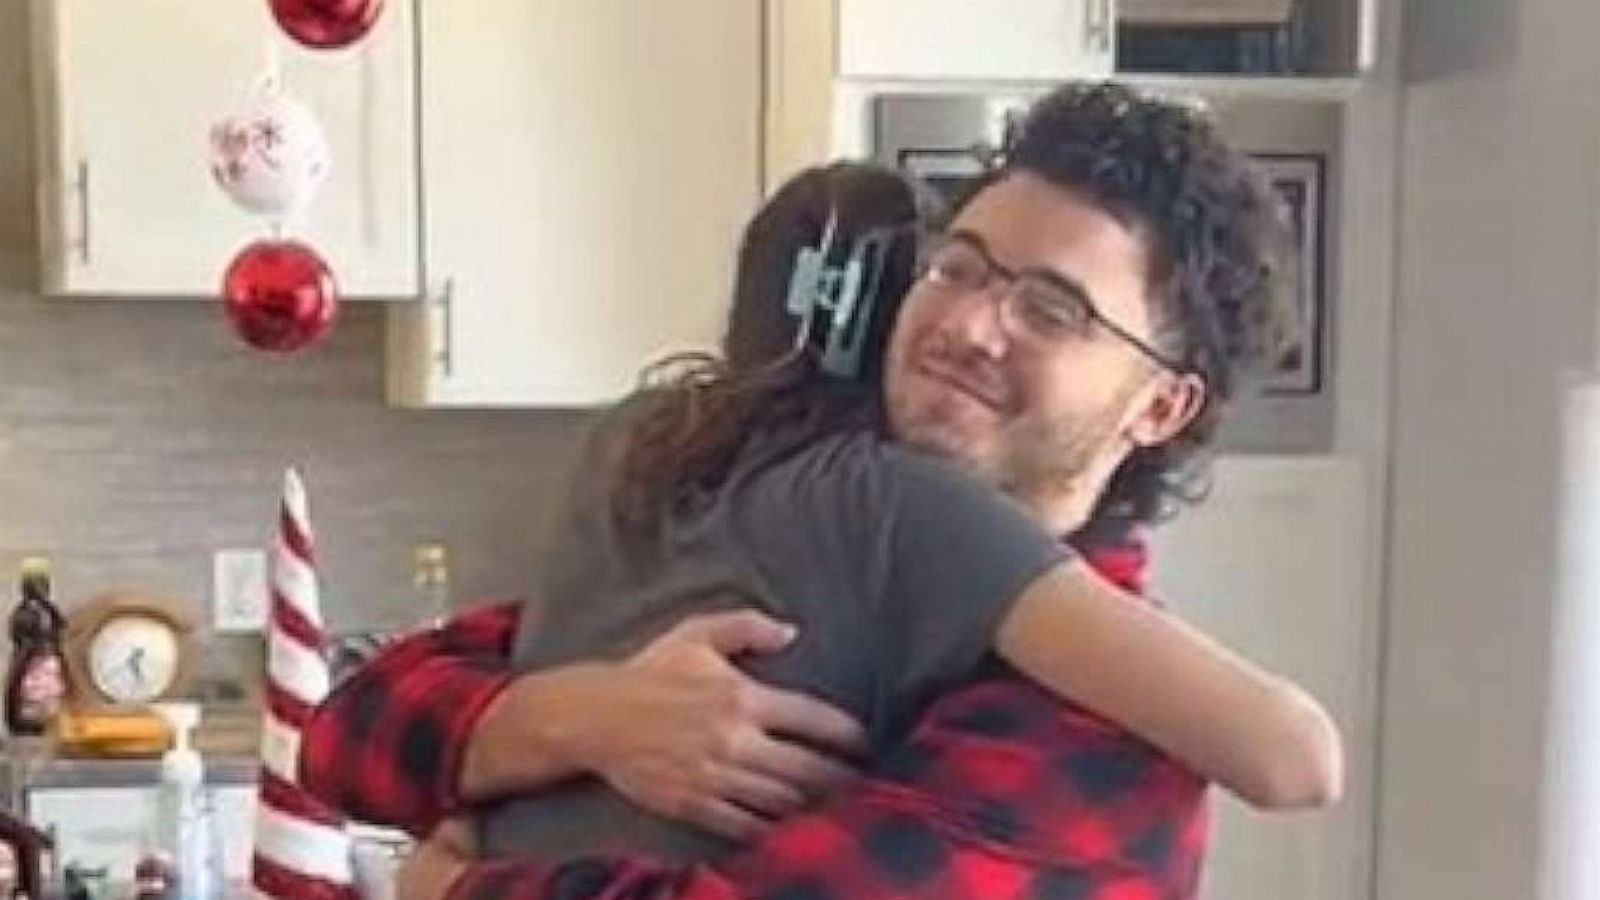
x,y
86,834
127,93
587,168
959,39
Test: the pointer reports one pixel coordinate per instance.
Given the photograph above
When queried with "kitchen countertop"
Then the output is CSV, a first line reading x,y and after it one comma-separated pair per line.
x,y
73,772
31,764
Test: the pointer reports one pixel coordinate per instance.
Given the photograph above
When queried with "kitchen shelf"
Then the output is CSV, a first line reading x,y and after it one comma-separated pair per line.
x,y
1318,89
1334,89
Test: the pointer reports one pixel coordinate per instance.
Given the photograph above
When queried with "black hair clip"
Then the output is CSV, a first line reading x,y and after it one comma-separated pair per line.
x,y
839,297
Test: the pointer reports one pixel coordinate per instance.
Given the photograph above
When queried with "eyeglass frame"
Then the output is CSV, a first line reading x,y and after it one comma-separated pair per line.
x,y
931,242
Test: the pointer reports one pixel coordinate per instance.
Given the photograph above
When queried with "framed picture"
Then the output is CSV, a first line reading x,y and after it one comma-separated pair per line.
x,y
1300,178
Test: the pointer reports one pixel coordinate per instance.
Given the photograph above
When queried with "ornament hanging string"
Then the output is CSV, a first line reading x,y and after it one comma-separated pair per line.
x,y
270,83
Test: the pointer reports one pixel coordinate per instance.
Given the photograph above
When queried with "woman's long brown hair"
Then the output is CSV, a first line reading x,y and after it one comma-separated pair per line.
x,y
696,414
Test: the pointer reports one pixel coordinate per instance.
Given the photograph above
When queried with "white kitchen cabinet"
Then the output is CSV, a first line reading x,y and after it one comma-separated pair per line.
x,y
87,834
126,95
961,39
827,62
1280,564
587,168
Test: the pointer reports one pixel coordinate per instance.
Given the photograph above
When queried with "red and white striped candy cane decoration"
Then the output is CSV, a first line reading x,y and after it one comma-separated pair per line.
x,y
301,848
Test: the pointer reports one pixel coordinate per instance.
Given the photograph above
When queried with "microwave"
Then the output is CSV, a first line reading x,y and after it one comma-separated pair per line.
x,y
946,141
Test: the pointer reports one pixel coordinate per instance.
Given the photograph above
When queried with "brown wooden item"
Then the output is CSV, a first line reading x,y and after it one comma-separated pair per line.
x,y
110,681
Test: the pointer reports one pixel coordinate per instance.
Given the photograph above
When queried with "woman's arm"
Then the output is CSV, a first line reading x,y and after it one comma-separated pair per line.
x,y
446,867
1255,733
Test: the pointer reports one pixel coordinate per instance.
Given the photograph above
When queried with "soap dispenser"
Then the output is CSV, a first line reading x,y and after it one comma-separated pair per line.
x,y
186,828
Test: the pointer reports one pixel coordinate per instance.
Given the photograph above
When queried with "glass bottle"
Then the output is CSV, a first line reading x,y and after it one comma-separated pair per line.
x,y
36,682
431,578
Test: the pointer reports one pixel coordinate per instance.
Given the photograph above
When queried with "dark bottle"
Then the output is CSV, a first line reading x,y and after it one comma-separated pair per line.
x,y
37,681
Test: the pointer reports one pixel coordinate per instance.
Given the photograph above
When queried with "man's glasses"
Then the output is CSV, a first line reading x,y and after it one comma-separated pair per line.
x,y
1034,303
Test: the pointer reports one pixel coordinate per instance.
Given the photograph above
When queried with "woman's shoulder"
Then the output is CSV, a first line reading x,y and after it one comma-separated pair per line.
x,y
856,454
867,471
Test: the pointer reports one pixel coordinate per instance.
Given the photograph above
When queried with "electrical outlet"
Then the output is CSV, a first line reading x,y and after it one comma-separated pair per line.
x,y
239,591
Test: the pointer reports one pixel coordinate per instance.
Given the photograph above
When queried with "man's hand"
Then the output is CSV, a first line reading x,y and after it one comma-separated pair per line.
x,y
434,865
691,737
677,729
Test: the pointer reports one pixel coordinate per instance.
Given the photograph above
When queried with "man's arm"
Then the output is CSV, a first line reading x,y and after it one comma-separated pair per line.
x,y
677,729
388,744
443,868
446,868
437,722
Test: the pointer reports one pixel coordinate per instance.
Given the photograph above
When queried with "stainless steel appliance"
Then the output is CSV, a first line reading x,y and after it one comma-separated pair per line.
x,y
946,140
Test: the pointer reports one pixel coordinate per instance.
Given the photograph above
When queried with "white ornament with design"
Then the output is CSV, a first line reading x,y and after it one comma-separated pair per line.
x,y
272,156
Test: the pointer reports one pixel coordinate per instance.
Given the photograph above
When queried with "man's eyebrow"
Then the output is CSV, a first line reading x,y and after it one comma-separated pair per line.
x,y
1055,277
1063,281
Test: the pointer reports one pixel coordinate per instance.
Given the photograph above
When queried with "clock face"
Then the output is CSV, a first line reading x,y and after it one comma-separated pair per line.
x,y
133,658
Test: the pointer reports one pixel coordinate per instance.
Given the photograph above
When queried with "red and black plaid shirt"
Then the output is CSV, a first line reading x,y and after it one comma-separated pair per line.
x,y
1001,791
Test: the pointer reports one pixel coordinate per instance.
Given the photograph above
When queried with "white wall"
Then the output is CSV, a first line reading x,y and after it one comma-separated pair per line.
x,y
1274,564
1496,287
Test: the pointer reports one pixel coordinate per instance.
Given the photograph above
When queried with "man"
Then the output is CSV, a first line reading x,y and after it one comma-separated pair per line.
x,y
1119,221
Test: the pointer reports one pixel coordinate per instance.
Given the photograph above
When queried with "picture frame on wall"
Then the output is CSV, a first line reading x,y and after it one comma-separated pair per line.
x,y
1301,180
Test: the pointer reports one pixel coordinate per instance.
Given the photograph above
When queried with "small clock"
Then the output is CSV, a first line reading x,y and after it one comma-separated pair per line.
x,y
126,651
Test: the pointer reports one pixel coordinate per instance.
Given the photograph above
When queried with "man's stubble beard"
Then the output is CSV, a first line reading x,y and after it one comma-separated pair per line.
x,y
1059,466
1056,466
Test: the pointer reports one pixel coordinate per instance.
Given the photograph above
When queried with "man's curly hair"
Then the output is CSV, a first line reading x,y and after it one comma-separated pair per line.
x,y
1218,239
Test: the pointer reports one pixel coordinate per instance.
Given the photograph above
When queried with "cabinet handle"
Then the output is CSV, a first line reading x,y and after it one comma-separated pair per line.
x,y
80,187
445,356
1097,26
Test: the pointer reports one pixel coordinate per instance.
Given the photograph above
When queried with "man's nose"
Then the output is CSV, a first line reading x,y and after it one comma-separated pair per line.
x,y
976,321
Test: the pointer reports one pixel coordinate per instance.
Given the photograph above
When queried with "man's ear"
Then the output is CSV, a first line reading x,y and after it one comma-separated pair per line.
x,y
1173,402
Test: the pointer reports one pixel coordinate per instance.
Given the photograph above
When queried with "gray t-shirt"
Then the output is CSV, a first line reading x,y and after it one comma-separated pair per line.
x,y
896,565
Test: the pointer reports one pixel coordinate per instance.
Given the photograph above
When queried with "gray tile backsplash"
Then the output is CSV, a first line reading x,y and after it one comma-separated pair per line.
x,y
137,436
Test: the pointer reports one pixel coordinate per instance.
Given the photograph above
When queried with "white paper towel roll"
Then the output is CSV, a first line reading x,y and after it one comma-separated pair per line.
x,y
1571,846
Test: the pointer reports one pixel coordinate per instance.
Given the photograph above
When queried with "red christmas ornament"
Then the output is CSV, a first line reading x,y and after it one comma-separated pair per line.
x,y
326,24
280,295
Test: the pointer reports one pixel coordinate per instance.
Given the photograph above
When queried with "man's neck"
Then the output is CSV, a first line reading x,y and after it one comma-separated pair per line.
x,y
1061,511
1066,503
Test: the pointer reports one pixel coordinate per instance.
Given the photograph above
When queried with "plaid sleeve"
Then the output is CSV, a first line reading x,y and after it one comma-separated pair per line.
x,y
387,745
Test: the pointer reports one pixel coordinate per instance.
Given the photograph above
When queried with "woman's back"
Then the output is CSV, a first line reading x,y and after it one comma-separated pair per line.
x,y
895,565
